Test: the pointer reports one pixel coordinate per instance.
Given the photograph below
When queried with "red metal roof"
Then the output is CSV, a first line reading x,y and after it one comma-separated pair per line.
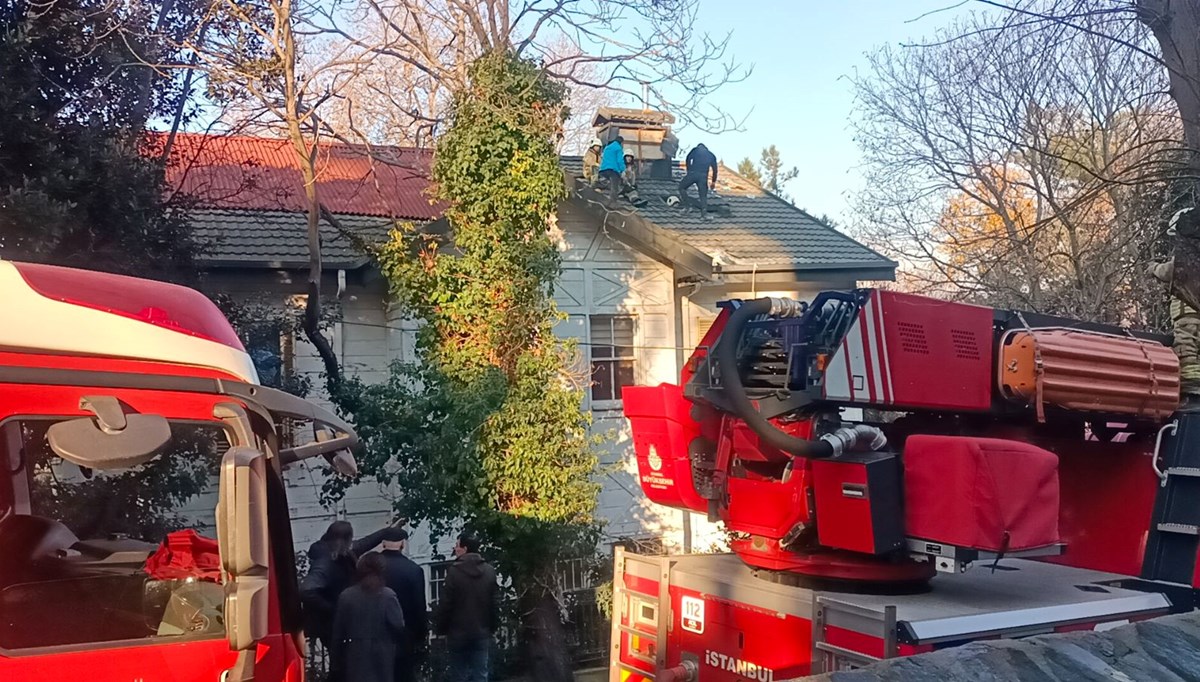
x,y
260,173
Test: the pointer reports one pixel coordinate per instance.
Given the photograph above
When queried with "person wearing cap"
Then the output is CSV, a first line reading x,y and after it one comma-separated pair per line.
x,y
407,580
591,161
331,565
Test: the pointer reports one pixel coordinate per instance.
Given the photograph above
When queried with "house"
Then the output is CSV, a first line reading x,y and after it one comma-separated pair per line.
x,y
639,286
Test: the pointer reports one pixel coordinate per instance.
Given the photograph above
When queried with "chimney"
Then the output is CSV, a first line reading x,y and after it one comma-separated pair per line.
x,y
647,136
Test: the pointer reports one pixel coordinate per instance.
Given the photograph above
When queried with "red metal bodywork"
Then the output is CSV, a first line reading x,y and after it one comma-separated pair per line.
x,y
166,659
908,351
1029,475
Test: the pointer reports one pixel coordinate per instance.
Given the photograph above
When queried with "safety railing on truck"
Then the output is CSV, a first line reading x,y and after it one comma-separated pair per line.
x,y
828,612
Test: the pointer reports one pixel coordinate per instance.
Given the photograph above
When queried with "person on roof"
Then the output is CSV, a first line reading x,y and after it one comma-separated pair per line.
x,y
699,163
591,161
630,180
612,167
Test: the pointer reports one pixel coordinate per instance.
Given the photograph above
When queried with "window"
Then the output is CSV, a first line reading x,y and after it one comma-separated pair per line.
x,y
76,569
437,581
612,355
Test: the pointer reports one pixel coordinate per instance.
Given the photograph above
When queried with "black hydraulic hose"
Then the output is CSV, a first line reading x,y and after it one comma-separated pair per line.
x,y
735,391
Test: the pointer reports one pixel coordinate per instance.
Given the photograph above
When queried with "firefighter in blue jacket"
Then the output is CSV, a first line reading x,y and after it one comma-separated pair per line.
x,y
612,167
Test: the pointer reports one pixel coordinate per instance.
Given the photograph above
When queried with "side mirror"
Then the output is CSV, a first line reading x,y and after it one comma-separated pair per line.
x,y
110,440
244,543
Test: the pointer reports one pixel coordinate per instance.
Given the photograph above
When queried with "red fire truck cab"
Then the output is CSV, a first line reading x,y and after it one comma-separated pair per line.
x,y
124,405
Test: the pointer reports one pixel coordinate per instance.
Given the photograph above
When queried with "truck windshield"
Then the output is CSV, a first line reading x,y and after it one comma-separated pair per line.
x,y
98,557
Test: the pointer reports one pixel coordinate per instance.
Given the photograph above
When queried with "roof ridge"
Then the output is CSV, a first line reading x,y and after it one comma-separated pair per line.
x,y
244,137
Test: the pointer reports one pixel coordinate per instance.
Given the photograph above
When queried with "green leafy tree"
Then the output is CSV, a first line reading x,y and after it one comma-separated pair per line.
x,y
773,172
488,429
75,188
748,170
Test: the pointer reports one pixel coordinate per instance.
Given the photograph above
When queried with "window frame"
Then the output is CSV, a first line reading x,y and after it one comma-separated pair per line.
x,y
26,471
614,359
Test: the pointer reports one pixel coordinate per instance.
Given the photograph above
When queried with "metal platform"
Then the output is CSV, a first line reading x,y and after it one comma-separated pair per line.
x,y
1020,597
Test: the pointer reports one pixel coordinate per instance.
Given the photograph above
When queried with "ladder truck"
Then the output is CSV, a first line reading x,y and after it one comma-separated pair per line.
x,y
1011,474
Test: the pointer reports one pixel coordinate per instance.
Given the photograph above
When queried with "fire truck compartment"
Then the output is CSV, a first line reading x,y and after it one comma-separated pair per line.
x,y
1020,597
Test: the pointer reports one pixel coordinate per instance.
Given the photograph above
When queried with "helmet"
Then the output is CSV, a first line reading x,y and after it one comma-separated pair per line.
x,y
595,142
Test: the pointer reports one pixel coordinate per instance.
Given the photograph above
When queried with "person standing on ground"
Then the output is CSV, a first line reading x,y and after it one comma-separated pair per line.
x,y
407,580
699,163
331,567
612,167
466,614
367,627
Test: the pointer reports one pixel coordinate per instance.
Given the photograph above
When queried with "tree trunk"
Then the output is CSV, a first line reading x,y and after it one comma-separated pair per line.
x,y
1176,27
543,637
306,155
312,307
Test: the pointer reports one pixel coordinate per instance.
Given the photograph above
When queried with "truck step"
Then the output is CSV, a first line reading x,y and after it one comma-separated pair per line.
x,y
1183,471
1183,528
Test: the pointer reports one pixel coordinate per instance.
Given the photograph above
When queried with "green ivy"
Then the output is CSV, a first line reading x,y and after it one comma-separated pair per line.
x,y
488,427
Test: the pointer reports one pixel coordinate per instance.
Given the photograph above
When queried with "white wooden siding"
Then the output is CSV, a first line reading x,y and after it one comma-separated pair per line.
x,y
600,275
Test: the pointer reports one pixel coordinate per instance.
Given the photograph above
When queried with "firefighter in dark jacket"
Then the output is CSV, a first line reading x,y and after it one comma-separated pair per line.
x,y
699,164
367,627
466,613
407,580
331,566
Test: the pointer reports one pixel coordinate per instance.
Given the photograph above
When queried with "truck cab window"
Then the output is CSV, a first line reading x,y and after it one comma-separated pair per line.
x,y
94,557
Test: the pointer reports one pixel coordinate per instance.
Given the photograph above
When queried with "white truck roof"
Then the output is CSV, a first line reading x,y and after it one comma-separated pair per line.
x,y
50,309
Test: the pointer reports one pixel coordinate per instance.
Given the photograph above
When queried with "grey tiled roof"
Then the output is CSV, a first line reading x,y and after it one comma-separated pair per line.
x,y
750,227
280,237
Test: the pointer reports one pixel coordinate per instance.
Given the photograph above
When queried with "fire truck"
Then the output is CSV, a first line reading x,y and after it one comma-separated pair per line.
x,y
902,474
106,381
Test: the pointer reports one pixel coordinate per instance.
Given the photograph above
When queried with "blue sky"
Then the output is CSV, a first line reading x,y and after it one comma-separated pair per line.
x,y
797,96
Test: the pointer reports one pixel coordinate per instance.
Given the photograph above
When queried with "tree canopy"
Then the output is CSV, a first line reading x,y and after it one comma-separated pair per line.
x,y
74,187
1016,166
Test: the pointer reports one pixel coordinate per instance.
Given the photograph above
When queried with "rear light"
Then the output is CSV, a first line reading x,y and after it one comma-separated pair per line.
x,y
163,305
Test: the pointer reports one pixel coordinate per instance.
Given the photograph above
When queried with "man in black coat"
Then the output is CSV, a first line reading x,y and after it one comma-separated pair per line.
x,y
367,628
466,613
331,565
699,164
407,580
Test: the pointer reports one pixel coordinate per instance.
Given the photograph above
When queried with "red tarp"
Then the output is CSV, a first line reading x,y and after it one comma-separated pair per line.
x,y
982,493
185,554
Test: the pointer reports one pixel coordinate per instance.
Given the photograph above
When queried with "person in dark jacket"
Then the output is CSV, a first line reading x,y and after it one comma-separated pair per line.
x,y
407,580
331,562
466,613
699,163
367,627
